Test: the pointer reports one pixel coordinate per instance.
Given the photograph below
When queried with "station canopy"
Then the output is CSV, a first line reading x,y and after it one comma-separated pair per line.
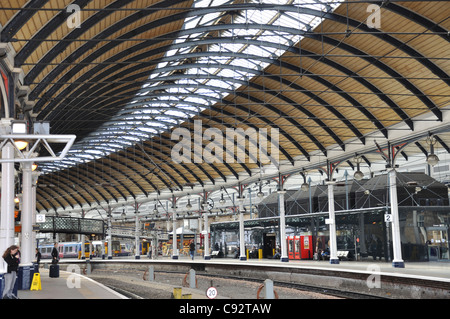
x,y
321,80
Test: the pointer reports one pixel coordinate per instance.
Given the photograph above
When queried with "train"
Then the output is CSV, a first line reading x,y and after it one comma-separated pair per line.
x,y
120,249
66,250
73,249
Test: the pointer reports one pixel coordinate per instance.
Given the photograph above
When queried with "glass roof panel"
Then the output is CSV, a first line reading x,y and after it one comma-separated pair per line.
x,y
180,84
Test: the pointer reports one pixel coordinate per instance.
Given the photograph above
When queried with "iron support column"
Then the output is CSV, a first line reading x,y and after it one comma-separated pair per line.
x,y
242,255
174,236
7,200
136,238
284,255
207,256
34,178
332,225
26,218
109,235
396,240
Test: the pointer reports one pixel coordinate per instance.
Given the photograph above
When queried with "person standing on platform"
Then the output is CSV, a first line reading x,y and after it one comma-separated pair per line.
x,y
192,249
11,257
38,257
55,254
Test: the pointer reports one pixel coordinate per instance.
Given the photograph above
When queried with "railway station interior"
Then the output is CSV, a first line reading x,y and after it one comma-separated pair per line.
x,y
275,130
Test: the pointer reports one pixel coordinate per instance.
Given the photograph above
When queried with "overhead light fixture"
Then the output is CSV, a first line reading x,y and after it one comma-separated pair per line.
x,y
188,205
19,127
305,186
432,159
358,174
221,200
260,193
20,144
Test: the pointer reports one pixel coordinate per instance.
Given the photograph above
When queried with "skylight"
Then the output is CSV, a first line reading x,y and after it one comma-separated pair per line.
x,y
195,75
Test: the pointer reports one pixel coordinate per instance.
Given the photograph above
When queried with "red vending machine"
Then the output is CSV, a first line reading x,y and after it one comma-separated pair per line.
x,y
297,247
290,246
307,247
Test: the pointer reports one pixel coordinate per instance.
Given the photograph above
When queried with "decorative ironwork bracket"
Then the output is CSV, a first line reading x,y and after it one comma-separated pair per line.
x,y
34,141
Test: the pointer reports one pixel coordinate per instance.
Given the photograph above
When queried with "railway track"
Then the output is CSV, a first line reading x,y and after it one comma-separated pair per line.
x,y
326,282
301,287
132,290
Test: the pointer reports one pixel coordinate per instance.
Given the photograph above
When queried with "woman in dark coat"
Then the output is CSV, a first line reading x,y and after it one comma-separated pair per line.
x,y
55,254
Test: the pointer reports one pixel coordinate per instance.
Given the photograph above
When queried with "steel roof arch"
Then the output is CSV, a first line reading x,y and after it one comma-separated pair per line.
x,y
418,92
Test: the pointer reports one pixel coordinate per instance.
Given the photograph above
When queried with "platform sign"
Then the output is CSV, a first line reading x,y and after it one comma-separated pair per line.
x,y
40,218
211,292
388,218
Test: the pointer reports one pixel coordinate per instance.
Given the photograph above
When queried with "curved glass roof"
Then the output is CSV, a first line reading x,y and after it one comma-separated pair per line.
x,y
215,53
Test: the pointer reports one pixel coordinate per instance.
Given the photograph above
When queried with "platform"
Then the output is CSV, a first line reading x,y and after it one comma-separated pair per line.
x,y
433,270
416,280
375,278
439,271
66,287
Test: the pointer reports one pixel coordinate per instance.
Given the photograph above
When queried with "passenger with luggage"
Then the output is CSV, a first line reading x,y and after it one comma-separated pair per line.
x,y
11,257
54,267
55,254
